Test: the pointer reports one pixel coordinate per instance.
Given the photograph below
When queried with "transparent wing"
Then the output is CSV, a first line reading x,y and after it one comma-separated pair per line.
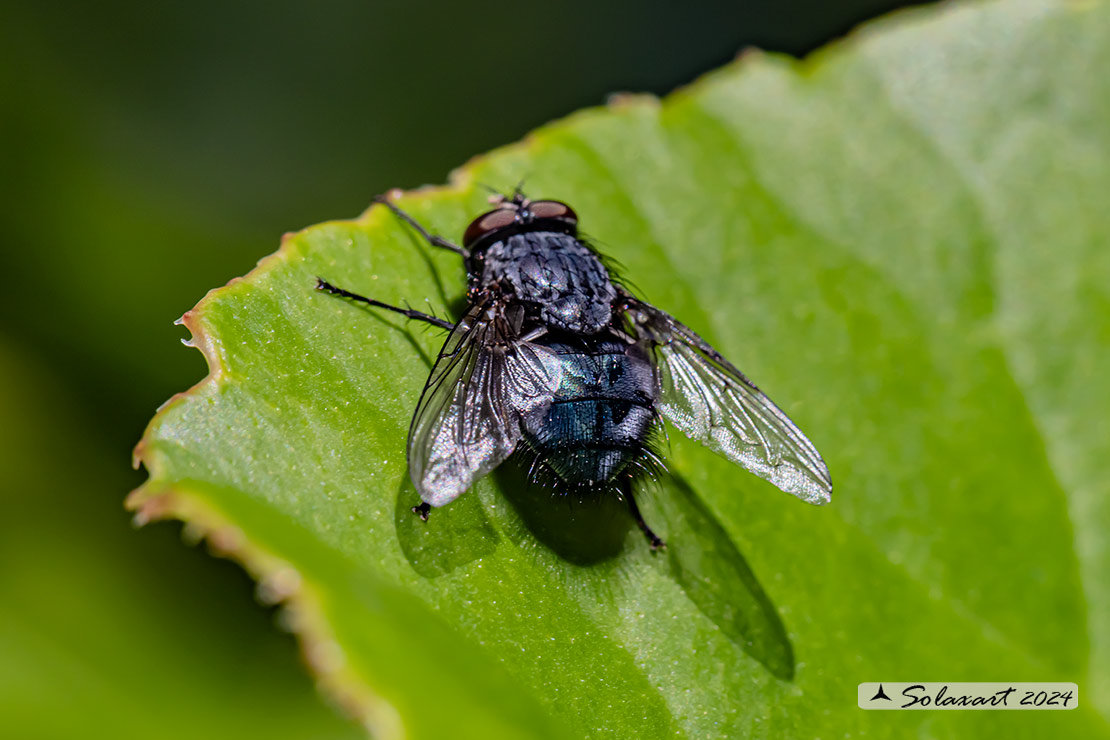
x,y
711,401
469,416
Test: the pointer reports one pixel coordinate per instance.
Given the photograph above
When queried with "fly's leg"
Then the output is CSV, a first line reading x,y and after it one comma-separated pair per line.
x,y
321,284
435,241
653,539
408,313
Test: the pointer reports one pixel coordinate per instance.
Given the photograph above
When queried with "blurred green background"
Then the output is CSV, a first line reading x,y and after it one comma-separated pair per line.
x,y
152,152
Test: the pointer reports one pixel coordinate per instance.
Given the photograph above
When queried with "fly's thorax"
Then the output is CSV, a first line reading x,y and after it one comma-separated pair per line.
x,y
558,277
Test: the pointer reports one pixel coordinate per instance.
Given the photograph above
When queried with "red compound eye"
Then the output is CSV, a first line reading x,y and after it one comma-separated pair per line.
x,y
553,209
487,223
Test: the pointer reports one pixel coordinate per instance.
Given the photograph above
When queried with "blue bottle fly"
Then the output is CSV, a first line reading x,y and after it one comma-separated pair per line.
x,y
554,359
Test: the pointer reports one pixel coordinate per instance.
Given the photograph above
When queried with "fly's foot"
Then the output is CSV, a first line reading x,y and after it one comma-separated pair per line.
x,y
422,511
653,539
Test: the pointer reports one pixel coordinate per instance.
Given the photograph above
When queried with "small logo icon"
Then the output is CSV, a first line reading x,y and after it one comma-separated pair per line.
x,y
880,694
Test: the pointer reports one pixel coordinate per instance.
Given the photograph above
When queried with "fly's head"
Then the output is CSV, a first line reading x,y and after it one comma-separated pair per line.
x,y
515,214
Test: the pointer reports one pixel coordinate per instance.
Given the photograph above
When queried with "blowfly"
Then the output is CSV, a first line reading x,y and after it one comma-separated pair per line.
x,y
554,359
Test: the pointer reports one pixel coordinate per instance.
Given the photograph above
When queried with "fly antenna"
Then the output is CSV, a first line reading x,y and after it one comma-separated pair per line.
x,y
518,196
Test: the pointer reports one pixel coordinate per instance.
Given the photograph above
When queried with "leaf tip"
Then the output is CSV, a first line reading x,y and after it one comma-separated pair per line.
x,y
623,100
138,452
749,53
149,507
281,584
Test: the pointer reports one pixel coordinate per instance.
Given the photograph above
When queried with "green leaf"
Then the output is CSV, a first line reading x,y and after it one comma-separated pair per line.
x,y
902,239
105,634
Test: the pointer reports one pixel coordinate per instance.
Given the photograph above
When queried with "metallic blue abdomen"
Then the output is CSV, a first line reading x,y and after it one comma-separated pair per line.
x,y
601,415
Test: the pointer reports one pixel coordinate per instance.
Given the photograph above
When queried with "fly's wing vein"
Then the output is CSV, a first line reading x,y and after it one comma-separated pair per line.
x,y
712,402
469,416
